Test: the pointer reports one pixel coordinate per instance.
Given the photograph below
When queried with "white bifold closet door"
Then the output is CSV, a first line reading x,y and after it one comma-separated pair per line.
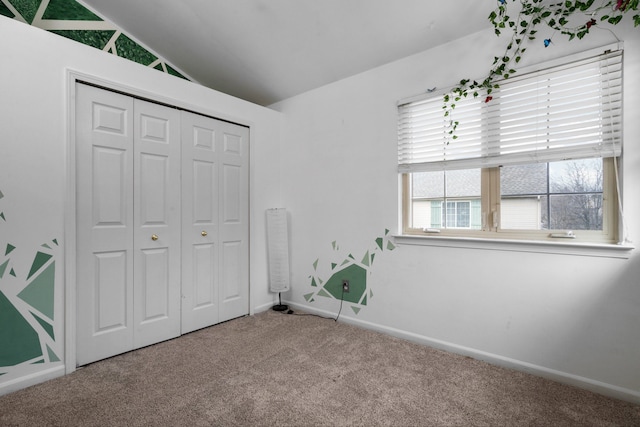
x,y
162,210
215,212
128,223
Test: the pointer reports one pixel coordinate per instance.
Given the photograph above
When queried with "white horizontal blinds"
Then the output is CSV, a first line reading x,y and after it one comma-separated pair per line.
x,y
570,111
423,130
567,112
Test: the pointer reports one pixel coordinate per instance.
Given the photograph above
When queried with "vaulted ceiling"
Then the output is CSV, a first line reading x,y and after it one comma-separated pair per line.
x,y
265,51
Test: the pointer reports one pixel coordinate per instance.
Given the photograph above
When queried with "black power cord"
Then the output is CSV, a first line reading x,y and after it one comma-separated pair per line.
x,y
316,315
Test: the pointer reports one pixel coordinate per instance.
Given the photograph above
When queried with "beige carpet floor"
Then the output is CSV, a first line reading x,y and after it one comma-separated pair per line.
x,y
276,369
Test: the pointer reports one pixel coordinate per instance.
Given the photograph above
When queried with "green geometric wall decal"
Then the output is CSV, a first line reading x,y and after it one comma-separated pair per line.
x,y
333,265
379,242
9,249
131,50
3,267
26,8
323,293
370,294
55,241
334,245
174,72
68,11
386,231
355,309
315,264
366,260
52,356
1,195
2,216
390,246
308,296
39,294
313,282
364,300
39,261
39,361
19,341
12,273
351,256
357,277
4,10
93,38
45,325
372,257
46,246
159,67
346,261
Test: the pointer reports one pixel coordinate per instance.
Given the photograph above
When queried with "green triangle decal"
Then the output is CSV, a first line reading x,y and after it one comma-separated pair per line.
x,y
364,300
2,216
52,356
308,296
37,362
46,246
315,264
55,241
320,280
366,261
356,310
3,268
372,257
323,293
1,195
390,246
370,294
4,10
39,293
9,249
40,260
346,261
379,242
14,329
66,10
12,273
351,256
27,8
386,231
313,282
333,265
45,325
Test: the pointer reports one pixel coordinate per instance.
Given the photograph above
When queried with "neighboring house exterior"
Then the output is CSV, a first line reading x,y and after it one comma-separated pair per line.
x,y
521,204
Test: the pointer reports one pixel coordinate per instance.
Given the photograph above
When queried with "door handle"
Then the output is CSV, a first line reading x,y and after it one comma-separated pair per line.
x,y
154,237
204,233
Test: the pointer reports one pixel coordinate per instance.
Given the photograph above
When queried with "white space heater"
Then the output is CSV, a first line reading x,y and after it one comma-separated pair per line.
x,y
278,254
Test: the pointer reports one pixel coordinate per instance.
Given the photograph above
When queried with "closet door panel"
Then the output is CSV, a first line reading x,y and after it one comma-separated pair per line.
x,y
234,224
104,212
200,217
156,186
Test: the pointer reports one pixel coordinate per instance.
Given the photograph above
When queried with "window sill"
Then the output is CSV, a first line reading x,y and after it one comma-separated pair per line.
x,y
622,251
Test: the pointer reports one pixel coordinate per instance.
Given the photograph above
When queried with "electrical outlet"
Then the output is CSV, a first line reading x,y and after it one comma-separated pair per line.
x,y
345,286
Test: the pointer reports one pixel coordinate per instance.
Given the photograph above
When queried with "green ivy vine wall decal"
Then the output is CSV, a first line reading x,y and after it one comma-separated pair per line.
x,y
572,18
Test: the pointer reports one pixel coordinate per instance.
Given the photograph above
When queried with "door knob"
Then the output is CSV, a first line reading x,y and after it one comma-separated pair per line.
x,y
204,233
154,237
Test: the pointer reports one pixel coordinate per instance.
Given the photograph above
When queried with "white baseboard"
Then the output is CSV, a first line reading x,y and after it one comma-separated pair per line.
x,y
32,379
263,307
599,387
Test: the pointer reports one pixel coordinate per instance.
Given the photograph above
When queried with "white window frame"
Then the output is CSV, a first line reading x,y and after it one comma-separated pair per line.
x,y
491,230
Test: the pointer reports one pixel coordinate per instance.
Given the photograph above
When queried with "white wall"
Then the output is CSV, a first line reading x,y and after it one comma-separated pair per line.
x,y
33,152
572,318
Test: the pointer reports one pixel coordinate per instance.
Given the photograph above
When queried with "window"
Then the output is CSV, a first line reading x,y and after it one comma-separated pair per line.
x,y
537,162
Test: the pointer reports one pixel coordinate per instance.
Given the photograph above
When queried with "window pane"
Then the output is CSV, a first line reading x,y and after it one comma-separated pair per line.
x,y
446,199
563,195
